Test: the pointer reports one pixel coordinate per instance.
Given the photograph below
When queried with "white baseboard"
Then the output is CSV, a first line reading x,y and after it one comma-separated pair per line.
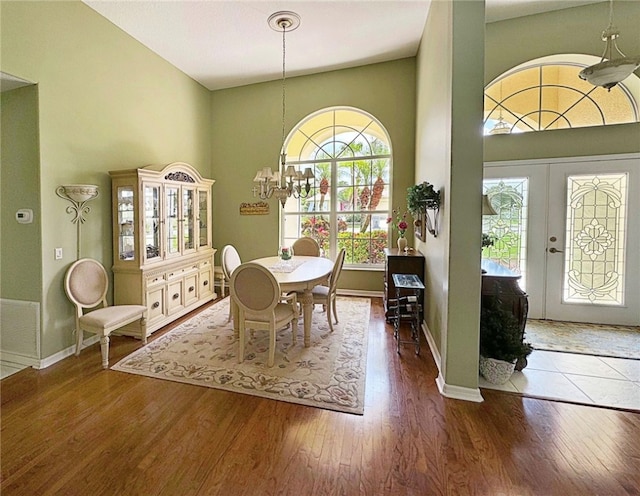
x,y
435,353
51,359
458,392
448,390
7,356
357,292
61,355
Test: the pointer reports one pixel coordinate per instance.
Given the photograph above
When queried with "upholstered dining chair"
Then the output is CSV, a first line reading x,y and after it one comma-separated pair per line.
x,y
260,303
306,246
86,284
326,295
230,260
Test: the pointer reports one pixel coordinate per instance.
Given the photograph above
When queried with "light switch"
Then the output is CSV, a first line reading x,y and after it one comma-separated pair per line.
x,y
58,254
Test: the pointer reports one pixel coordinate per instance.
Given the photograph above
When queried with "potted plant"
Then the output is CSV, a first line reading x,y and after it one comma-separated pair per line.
x,y
501,342
422,196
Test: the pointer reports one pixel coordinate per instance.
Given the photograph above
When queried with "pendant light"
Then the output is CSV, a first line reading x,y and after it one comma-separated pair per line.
x,y
610,71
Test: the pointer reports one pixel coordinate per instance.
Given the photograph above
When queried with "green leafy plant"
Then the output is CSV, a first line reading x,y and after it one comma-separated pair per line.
x,y
422,196
487,240
500,334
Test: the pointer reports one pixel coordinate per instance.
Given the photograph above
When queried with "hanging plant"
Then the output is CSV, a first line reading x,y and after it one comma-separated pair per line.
x,y
422,196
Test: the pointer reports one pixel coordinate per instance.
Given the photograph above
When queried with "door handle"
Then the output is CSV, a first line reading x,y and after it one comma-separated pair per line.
x,y
554,250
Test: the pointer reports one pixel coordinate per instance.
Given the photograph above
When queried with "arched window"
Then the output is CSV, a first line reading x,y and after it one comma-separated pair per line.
x,y
547,93
350,154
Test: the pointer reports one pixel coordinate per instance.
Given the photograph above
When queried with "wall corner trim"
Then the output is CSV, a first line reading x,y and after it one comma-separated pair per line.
x,y
447,390
458,392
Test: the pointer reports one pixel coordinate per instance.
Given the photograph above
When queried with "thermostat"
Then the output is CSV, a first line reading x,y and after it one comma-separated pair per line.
x,y
24,216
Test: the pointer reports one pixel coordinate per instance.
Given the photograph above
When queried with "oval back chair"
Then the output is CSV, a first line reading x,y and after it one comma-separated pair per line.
x,y
257,293
326,295
86,284
230,260
306,247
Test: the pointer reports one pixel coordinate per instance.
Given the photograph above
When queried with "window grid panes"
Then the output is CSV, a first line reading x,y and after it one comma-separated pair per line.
x,y
508,229
348,206
545,96
595,239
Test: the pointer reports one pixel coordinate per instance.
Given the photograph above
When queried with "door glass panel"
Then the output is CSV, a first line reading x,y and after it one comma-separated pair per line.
x,y
188,219
203,218
172,199
508,229
152,221
595,239
126,225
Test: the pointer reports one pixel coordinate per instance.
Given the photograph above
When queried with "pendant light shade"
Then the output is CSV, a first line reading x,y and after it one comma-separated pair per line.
x,y
614,66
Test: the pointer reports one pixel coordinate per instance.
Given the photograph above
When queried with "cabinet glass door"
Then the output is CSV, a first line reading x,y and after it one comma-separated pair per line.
x,y
203,219
126,225
172,199
151,221
188,219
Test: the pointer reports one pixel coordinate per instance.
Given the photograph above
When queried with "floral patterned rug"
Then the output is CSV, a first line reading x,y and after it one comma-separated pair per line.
x,y
329,374
587,339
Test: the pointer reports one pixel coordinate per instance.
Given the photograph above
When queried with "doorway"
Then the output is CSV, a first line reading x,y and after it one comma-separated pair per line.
x,y
567,226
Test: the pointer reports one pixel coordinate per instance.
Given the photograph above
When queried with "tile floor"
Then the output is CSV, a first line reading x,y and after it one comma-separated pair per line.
x,y
592,380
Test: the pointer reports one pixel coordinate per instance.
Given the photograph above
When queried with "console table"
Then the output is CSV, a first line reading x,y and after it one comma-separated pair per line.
x,y
400,262
499,282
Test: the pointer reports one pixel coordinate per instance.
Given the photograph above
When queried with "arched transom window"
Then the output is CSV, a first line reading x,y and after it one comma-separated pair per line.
x,y
547,94
350,154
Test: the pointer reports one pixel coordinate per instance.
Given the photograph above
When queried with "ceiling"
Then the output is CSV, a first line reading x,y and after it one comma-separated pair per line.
x,y
223,44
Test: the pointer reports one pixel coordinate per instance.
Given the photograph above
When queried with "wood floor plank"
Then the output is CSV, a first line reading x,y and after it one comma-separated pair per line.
x,y
76,429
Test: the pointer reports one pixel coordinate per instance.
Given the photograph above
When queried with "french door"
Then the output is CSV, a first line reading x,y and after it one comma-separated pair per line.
x,y
572,225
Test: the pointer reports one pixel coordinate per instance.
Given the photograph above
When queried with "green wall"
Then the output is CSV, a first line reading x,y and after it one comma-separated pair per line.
x,y
573,31
247,135
105,102
449,155
20,260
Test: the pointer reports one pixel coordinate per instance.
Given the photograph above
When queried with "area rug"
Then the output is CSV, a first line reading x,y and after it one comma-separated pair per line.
x,y
330,374
587,339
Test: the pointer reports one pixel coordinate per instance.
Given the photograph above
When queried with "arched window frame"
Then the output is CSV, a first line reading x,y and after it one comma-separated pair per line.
x,y
315,141
501,116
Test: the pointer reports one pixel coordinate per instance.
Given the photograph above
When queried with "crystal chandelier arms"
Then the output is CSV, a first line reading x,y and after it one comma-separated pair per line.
x,y
288,181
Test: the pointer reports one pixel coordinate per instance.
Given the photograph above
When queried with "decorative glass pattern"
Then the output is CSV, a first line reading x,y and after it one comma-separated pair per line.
x,y
508,229
348,207
595,239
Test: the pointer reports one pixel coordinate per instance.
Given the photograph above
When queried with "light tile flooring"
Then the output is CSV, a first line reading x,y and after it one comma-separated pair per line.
x,y
592,380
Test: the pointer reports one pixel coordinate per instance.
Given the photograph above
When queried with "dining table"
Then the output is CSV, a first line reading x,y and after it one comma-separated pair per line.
x,y
300,274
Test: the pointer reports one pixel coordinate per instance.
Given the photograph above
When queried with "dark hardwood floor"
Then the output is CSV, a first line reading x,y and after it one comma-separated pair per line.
x,y
76,429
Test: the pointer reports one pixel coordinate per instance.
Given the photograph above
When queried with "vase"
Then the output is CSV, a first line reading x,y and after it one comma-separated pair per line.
x,y
286,253
402,244
496,371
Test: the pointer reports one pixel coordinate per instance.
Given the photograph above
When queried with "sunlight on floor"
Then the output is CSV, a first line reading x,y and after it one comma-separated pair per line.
x,y
602,381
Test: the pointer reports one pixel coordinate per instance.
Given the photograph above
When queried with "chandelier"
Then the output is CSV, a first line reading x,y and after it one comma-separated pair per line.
x,y
287,181
501,127
610,71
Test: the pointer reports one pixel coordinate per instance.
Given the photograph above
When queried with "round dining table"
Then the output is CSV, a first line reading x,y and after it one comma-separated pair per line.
x,y
298,274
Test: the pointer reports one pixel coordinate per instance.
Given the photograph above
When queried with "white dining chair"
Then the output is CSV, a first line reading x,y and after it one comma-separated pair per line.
x,y
230,260
86,284
257,294
326,295
306,246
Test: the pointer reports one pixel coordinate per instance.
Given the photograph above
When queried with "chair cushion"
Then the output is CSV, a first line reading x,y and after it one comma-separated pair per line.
x,y
282,311
322,291
112,316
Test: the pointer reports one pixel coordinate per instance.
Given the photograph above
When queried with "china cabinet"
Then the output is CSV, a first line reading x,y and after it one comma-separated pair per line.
x,y
162,249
